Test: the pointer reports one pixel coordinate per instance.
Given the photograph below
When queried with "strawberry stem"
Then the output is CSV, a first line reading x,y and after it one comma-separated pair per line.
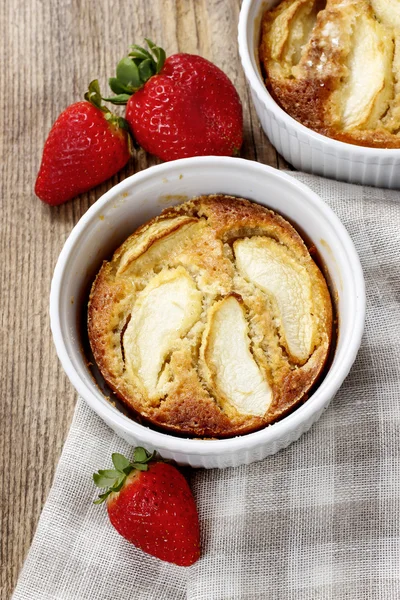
x,y
134,70
113,479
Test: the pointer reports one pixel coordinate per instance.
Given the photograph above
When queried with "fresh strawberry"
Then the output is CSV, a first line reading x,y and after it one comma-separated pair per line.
x,y
86,145
178,107
150,504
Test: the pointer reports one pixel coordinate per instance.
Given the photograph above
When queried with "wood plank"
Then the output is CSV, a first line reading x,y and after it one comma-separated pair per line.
x,y
51,50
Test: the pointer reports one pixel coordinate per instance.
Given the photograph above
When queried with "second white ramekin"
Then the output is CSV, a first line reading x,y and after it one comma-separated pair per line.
x,y
301,147
142,196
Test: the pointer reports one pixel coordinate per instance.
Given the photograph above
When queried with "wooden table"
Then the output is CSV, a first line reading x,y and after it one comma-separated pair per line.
x,y
50,51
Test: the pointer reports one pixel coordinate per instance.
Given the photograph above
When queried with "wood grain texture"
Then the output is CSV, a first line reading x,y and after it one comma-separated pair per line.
x,y
50,51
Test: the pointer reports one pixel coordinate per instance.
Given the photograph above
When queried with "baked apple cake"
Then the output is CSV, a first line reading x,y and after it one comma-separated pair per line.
x,y
335,66
212,319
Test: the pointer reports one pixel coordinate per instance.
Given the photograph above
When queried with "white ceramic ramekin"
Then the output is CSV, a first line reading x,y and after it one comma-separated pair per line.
x,y
142,196
301,147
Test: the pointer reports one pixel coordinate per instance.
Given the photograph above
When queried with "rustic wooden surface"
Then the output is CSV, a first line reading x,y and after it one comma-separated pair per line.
x,y
50,51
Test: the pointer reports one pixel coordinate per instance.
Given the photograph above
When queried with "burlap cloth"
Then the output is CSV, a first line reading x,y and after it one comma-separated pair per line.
x,y
319,520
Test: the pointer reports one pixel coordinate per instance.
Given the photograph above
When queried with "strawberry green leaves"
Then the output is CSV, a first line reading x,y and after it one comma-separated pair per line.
x,y
134,70
93,95
158,53
120,462
114,479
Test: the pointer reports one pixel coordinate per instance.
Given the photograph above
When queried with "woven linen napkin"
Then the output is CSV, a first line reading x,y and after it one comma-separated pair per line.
x,y
319,520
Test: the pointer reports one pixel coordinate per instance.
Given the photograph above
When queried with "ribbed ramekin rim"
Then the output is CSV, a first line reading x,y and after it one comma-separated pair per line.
x,y
191,446
301,131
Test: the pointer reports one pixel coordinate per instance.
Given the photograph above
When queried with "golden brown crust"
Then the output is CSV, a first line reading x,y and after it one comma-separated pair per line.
x,y
335,67
197,254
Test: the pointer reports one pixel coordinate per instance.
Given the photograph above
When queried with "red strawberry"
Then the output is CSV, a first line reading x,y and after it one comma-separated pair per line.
x,y
178,107
150,504
86,145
